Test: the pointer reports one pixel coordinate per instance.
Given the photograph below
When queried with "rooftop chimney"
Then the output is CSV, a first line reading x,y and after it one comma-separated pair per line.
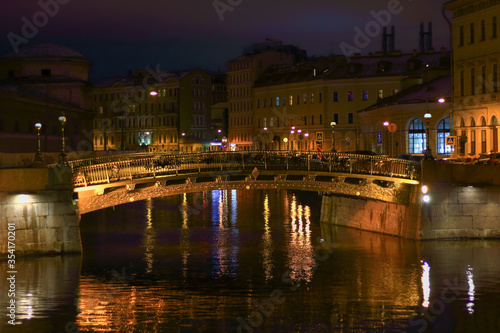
x,y
388,41
425,38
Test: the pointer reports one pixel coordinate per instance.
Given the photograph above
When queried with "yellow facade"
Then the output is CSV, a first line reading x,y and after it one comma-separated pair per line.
x,y
309,97
476,44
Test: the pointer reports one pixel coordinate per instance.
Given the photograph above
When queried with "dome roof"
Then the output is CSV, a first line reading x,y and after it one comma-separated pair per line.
x,y
45,51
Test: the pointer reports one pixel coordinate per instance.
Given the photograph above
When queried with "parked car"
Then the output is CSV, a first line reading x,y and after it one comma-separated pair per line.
x,y
469,160
451,160
489,158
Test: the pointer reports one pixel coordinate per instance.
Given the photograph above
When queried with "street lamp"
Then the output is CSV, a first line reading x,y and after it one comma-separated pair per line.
x,y
333,124
428,153
62,156
285,140
38,155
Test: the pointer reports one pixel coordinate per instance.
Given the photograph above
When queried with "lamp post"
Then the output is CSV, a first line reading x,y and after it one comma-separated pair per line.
x,y
333,124
428,153
285,140
391,128
38,155
62,156
224,142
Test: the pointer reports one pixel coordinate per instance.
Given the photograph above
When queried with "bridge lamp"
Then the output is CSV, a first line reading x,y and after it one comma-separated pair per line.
x,y
441,100
299,131
285,140
153,93
306,135
38,155
219,131
183,134
426,198
265,128
62,156
424,189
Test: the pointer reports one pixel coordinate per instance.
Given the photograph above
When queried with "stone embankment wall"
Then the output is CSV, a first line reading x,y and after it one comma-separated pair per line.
x,y
464,203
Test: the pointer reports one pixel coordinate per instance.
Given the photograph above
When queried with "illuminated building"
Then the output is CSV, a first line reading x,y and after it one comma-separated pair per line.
x,y
156,111
242,73
476,53
295,105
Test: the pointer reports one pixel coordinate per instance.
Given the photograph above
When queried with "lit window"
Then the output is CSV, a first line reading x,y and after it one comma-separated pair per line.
x,y
350,97
365,95
416,137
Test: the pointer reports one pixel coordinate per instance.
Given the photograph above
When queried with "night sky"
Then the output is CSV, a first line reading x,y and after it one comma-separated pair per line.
x,y
119,35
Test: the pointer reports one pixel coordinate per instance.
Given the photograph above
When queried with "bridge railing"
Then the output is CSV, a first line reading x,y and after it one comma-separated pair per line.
x,y
138,166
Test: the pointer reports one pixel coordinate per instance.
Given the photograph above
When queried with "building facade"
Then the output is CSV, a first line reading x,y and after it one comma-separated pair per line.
x,y
476,49
156,111
314,105
242,73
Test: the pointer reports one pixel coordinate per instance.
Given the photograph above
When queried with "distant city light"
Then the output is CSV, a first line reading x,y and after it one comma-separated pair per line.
x,y
386,123
441,100
153,93
219,131
265,128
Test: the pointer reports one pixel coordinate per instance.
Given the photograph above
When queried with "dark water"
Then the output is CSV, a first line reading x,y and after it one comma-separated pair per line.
x,y
252,261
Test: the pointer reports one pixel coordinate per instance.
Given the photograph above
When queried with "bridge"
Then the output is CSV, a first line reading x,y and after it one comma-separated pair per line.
x,y
102,183
42,205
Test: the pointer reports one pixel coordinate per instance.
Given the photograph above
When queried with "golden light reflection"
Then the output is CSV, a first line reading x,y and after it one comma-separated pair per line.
x,y
426,283
267,242
149,239
300,249
234,206
472,289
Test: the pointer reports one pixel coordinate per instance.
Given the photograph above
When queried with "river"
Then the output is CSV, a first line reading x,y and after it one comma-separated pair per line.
x,y
252,261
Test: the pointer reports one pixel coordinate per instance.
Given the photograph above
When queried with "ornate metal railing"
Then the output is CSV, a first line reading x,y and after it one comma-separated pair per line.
x,y
138,166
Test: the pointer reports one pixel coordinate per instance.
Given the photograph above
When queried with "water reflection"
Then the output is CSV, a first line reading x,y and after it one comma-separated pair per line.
x,y
300,249
197,262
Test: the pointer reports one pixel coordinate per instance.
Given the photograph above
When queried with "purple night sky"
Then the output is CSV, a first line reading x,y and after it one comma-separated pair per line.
x,y
119,35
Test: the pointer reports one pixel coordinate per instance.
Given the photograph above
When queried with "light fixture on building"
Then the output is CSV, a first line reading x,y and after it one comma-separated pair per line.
x,y
333,124
428,153
38,155
153,93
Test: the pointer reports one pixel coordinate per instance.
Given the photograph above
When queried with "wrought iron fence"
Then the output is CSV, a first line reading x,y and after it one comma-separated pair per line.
x,y
141,165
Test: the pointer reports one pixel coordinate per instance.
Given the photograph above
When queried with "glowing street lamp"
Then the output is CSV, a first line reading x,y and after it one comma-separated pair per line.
x,y
38,155
62,156
153,93
333,124
428,153
285,140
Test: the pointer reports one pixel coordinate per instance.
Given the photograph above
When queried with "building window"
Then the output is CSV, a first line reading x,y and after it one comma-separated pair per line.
x,y
473,142
472,81
483,30
494,27
258,103
265,122
284,101
305,98
380,93
416,137
349,96
336,118
320,98
365,95
395,91
462,83
461,42
472,33
321,119
312,98
277,101
335,96
298,99
291,100
265,102
442,132
350,118
312,120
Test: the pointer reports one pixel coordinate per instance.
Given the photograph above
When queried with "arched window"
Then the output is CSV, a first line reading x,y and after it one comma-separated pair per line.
x,y
472,122
494,121
462,122
483,121
442,132
416,137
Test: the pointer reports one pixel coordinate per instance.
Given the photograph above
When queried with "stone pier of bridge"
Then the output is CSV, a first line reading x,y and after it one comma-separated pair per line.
x,y
37,212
